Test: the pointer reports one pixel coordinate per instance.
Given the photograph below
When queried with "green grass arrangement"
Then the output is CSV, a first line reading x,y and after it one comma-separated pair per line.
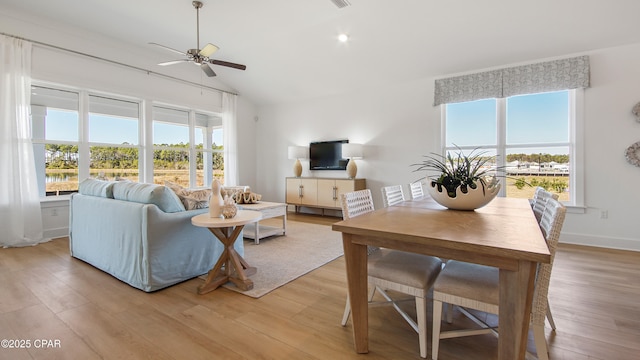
x,y
464,171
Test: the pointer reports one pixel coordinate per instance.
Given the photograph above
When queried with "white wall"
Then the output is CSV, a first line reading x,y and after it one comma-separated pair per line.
x,y
398,124
393,123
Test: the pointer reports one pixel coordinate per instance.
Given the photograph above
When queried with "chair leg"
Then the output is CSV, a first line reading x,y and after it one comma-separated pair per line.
x,y
347,306
540,341
437,318
372,292
550,317
421,314
347,312
449,313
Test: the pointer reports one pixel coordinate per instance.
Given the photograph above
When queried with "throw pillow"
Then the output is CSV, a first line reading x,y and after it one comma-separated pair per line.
x,y
191,199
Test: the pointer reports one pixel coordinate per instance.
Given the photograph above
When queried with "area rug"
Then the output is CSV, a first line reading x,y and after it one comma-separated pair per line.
x,y
281,259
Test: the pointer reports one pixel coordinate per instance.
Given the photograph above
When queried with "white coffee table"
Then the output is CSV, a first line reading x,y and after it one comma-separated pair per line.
x,y
268,210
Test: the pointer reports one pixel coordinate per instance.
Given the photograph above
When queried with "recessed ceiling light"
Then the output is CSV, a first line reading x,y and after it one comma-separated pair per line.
x,y
343,37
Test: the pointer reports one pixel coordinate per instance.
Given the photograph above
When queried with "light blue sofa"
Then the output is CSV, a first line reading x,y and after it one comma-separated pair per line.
x,y
140,234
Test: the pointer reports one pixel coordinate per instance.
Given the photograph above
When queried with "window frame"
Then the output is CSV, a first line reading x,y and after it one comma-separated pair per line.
x,y
145,144
575,144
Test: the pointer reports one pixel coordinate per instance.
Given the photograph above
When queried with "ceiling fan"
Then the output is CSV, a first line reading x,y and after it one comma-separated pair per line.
x,y
199,56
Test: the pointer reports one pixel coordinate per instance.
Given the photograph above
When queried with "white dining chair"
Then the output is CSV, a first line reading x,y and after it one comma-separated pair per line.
x,y
538,204
392,195
473,286
404,272
539,200
417,191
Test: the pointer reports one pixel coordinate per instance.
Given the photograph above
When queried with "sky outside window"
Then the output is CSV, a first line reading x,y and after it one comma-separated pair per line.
x,y
538,118
531,119
61,125
471,123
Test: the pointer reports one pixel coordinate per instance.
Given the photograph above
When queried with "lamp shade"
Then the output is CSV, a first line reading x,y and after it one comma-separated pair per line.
x,y
298,152
352,151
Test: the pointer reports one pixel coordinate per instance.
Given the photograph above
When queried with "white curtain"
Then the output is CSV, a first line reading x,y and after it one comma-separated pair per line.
x,y
230,139
20,216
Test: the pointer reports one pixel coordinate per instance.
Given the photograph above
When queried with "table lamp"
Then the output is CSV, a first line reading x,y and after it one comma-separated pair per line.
x,y
297,153
352,151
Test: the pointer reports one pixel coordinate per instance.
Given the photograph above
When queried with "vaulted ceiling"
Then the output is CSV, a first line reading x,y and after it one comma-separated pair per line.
x,y
291,50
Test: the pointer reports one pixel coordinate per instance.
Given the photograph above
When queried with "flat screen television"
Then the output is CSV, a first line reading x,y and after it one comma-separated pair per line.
x,y
327,155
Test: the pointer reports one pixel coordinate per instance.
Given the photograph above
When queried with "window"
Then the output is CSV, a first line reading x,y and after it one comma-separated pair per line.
x,y
532,136
209,148
178,159
55,135
170,146
113,138
109,141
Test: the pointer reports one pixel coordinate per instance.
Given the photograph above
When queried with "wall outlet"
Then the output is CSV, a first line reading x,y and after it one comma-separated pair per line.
x,y
54,212
604,214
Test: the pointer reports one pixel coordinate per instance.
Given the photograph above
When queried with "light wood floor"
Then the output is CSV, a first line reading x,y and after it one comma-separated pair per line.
x,y
46,294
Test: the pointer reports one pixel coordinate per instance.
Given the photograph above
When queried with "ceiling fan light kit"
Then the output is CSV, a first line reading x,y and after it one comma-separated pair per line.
x,y
197,56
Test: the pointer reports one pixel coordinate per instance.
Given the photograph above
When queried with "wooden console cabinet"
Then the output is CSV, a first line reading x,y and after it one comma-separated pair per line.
x,y
320,192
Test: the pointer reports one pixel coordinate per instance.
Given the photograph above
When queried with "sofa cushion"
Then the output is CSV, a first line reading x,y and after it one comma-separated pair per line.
x,y
165,199
94,187
191,199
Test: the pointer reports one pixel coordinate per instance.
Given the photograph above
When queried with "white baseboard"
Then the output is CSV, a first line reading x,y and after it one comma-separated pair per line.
x,y
56,233
601,241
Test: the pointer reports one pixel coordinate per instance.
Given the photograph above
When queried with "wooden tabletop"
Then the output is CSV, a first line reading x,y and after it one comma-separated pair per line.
x,y
504,228
243,217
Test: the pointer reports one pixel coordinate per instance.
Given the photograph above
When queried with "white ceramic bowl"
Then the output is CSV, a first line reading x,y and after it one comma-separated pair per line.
x,y
473,199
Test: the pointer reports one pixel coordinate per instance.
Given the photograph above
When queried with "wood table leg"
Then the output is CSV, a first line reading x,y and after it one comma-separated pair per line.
x,y
516,294
355,256
236,269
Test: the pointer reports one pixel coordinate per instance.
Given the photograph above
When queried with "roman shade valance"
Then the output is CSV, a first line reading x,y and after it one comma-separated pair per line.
x,y
553,75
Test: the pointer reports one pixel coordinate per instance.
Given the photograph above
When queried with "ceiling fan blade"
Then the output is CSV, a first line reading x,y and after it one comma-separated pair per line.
x,y
168,48
208,50
173,62
207,70
228,64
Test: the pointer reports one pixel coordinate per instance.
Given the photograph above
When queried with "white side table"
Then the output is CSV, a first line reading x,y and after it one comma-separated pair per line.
x,y
236,268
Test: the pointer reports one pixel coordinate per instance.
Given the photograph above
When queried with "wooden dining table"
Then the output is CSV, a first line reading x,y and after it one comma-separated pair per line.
x,y
503,234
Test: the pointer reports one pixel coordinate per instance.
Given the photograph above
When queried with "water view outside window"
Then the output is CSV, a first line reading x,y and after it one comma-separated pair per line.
x,y
533,135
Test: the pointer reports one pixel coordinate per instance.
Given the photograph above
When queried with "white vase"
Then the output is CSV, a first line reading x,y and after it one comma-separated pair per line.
x,y
473,199
216,202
